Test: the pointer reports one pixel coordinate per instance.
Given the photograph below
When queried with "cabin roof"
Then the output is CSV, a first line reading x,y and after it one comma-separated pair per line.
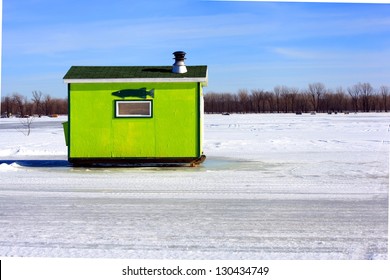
x,y
107,74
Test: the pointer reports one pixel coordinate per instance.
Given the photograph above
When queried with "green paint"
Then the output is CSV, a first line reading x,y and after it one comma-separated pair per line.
x,y
175,129
65,126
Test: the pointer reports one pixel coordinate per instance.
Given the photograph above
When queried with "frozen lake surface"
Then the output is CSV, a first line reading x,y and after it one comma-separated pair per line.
x,y
272,187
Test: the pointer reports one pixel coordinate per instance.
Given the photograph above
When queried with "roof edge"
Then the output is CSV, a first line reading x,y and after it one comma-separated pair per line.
x,y
203,81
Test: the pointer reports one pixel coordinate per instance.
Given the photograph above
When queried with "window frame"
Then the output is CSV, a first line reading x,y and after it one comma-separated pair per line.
x,y
117,115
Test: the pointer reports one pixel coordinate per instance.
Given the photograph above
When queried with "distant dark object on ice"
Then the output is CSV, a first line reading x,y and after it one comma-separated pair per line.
x,y
225,114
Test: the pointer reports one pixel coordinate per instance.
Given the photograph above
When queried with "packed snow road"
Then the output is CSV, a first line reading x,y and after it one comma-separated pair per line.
x,y
272,187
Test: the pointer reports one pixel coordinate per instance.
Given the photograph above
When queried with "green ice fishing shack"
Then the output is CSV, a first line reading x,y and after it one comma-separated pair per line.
x,y
135,114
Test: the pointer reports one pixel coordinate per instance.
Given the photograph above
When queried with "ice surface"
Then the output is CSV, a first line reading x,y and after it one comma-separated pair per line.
x,y
272,187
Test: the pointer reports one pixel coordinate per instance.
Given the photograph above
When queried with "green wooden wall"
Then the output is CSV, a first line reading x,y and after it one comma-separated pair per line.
x,y
173,131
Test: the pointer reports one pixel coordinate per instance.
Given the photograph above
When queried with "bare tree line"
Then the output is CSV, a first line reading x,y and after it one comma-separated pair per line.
x,y
361,97
39,105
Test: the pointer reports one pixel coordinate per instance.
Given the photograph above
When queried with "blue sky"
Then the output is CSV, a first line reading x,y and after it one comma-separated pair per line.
x,y
246,45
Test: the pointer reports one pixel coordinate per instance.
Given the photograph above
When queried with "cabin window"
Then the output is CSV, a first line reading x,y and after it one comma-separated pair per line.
x,y
133,109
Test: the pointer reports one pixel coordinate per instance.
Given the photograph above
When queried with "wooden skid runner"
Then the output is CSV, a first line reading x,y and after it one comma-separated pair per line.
x,y
134,162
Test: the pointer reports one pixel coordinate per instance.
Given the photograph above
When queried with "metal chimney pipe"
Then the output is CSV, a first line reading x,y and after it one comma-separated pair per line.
x,y
179,67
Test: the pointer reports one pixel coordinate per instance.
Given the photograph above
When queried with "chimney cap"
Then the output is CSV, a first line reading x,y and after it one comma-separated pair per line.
x,y
179,54
179,67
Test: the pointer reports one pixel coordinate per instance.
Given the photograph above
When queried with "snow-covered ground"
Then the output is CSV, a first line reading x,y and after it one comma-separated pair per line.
x,y
274,186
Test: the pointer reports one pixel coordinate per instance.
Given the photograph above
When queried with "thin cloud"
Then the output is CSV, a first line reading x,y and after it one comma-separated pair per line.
x,y
121,33
298,54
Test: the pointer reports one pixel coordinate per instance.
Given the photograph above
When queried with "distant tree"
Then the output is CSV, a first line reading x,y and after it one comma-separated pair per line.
x,y
340,100
269,96
19,103
236,103
6,106
354,92
316,91
37,100
366,92
284,98
301,103
384,91
224,102
61,106
29,108
243,97
362,96
209,102
277,93
293,94
47,105
258,100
